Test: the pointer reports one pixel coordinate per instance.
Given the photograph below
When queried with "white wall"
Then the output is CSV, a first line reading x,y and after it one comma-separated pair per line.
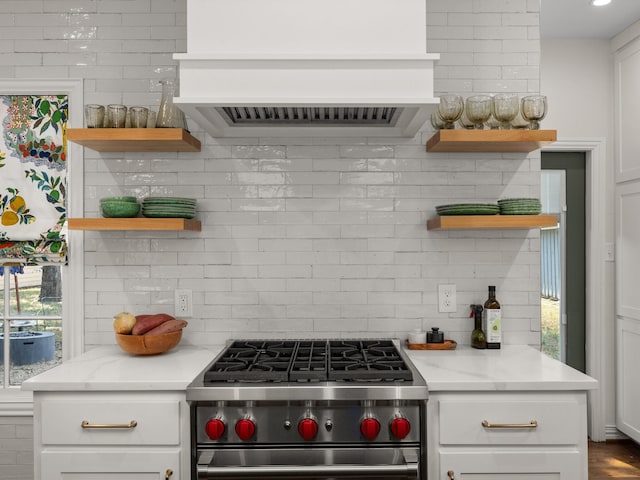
x,y
577,77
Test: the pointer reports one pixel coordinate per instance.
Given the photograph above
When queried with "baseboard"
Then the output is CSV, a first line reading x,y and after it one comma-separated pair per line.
x,y
612,433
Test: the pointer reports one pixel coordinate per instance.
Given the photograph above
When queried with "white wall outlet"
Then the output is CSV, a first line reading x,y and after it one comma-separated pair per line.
x,y
184,303
447,298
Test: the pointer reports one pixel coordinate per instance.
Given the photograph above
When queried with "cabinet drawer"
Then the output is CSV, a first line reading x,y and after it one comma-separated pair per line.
x,y
156,422
557,422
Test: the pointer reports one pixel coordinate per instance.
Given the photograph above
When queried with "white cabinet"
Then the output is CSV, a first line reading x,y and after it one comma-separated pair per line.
x,y
130,464
512,465
483,435
111,435
627,309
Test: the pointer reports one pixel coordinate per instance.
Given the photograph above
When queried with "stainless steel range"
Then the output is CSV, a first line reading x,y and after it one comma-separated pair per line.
x,y
321,409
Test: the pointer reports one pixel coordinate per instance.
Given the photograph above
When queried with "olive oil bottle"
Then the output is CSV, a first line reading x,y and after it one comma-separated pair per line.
x,y
492,319
478,338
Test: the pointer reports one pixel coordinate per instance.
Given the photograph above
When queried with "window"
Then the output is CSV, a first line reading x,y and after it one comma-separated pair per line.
x,y
41,304
31,319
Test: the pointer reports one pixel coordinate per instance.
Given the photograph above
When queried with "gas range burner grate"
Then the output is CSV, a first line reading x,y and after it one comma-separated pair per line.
x,y
309,361
366,361
253,361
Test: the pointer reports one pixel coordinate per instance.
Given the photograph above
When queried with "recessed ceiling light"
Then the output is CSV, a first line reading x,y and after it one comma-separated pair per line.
x,y
600,3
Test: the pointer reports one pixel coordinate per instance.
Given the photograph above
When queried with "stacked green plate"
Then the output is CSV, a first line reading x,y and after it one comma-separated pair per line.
x,y
520,206
468,209
169,207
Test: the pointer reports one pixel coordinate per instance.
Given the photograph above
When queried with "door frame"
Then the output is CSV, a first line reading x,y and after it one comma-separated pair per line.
x,y
595,243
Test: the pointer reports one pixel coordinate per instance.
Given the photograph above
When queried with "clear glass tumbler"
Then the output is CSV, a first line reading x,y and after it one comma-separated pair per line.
x,y
138,117
117,115
94,115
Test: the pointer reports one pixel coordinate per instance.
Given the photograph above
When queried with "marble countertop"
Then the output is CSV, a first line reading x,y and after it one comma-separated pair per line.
x,y
111,369
512,368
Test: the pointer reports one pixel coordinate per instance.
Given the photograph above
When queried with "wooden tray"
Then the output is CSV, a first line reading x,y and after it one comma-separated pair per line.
x,y
447,345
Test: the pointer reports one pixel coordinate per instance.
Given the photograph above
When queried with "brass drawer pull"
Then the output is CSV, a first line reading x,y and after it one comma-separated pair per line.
x,y
167,474
533,424
131,424
451,475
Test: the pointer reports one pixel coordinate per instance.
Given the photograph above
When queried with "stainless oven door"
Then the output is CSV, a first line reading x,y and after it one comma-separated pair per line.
x,y
309,463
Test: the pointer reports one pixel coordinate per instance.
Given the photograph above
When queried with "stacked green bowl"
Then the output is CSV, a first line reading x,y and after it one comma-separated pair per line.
x,y
520,206
119,207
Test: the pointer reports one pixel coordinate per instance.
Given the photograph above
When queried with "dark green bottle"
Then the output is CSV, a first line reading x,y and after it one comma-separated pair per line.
x,y
478,338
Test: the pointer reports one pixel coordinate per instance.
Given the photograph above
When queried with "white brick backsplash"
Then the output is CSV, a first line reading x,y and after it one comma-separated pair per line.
x,y
301,237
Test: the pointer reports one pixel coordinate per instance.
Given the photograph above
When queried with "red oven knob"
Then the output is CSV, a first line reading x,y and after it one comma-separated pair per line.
x,y
245,428
370,428
215,428
308,428
400,427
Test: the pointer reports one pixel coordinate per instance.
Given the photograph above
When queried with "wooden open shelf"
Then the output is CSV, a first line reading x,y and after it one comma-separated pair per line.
x,y
134,139
137,223
501,141
467,222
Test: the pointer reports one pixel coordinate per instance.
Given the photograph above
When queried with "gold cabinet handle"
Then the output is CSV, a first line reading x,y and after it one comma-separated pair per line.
x,y
131,424
451,475
168,474
532,424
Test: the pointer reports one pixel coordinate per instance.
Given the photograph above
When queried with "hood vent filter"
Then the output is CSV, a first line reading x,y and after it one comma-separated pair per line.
x,y
309,115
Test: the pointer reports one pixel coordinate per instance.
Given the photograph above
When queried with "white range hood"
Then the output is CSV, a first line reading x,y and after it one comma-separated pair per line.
x,y
307,67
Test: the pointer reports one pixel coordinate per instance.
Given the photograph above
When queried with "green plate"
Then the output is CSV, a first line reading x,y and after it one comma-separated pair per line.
x,y
169,211
521,211
167,215
168,200
530,199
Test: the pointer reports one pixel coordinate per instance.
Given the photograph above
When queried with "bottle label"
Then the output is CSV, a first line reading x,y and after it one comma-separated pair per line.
x,y
493,325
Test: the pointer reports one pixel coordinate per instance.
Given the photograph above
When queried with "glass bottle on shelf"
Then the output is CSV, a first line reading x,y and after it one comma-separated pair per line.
x,y
169,115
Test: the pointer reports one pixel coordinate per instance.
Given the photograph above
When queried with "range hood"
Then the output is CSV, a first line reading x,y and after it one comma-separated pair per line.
x,y
307,67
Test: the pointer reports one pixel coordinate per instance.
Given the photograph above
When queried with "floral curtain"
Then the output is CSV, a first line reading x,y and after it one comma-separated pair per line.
x,y
33,178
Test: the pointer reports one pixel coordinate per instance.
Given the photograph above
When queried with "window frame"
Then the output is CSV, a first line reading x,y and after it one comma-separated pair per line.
x,y
13,400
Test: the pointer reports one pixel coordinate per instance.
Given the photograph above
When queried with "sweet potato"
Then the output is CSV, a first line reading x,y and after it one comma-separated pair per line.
x,y
168,327
144,323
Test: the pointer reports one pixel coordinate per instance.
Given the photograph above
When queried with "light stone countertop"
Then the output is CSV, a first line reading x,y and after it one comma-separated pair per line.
x,y
111,369
512,368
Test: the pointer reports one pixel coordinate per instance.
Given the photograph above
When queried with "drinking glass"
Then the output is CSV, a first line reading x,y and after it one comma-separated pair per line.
x,y
534,109
478,110
450,109
94,115
505,107
436,121
139,117
464,121
117,115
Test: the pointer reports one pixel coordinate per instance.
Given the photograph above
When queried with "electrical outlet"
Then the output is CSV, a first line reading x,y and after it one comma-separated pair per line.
x,y
184,303
447,298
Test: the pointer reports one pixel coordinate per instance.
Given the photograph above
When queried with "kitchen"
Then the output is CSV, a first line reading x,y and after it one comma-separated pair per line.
x,y
340,223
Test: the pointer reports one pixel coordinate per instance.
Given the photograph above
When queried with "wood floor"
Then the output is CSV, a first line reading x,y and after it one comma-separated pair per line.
x,y
618,459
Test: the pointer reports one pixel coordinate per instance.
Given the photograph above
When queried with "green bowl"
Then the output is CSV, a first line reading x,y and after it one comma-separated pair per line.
x,y
115,209
119,199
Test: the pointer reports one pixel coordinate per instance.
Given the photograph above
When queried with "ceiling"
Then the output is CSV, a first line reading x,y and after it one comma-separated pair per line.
x,y
579,19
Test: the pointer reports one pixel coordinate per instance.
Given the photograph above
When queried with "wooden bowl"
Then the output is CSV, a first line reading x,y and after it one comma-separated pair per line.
x,y
148,344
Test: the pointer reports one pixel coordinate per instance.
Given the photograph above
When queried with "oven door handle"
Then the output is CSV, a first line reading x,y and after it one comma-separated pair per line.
x,y
406,471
